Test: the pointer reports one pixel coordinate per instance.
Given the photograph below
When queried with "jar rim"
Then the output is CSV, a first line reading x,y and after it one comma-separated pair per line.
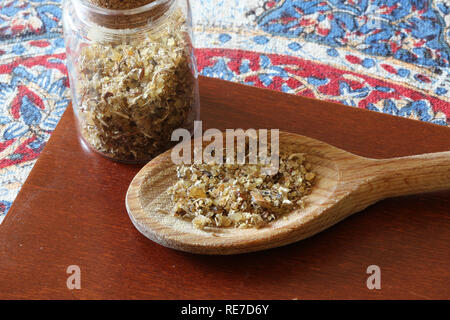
x,y
145,17
133,11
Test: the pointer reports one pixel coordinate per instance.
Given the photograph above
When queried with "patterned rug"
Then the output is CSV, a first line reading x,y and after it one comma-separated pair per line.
x,y
389,56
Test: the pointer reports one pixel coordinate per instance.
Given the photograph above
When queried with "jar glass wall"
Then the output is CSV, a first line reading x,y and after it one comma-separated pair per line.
x,y
132,74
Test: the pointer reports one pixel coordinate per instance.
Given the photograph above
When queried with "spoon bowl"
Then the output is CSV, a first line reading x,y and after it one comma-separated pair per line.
x,y
345,184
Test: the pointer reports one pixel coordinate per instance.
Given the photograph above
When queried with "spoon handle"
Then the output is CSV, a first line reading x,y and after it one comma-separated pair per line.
x,y
409,175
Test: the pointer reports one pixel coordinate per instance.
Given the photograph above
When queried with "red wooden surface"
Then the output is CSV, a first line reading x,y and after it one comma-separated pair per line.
x,y
71,211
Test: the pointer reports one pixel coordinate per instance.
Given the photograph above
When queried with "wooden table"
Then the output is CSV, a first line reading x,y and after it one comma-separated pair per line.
x,y
71,211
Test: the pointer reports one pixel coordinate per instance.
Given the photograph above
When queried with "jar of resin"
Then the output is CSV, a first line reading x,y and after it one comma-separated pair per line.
x,y
132,74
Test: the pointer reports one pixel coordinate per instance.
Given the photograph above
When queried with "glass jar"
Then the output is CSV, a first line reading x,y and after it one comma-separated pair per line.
x,y
132,74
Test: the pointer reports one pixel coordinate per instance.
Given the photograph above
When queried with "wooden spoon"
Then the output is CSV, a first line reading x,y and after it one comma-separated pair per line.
x,y
345,184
